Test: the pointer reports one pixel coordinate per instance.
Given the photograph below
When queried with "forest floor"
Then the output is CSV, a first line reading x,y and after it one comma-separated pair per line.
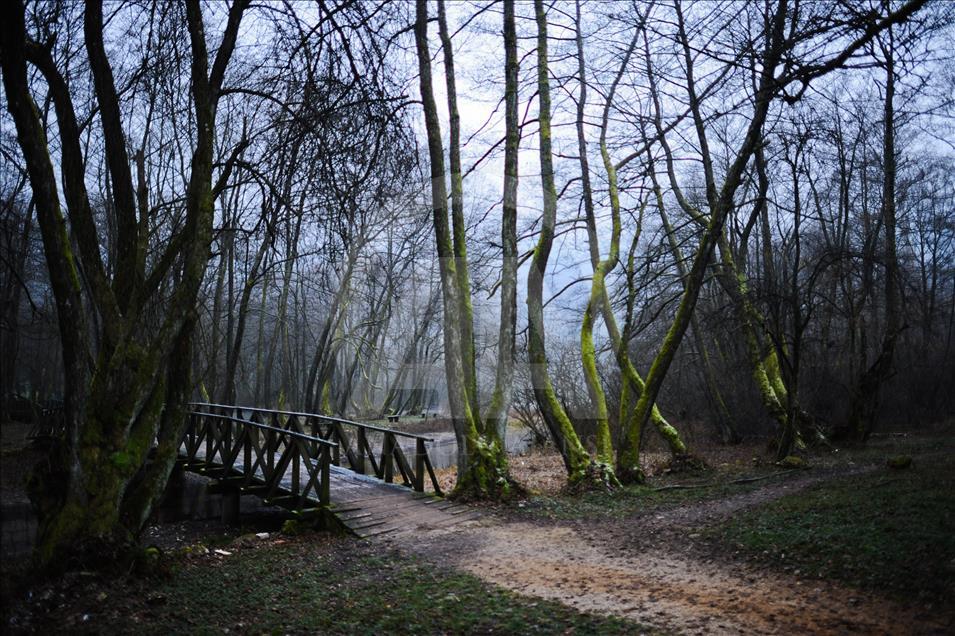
x,y
847,545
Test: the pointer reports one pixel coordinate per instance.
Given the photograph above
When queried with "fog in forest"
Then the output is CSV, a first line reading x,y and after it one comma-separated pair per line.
x,y
603,229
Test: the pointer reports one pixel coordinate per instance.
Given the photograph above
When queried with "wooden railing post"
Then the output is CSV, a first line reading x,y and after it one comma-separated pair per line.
x,y
362,442
226,450
296,470
419,465
210,422
271,442
247,449
314,427
388,457
254,417
337,451
324,496
191,436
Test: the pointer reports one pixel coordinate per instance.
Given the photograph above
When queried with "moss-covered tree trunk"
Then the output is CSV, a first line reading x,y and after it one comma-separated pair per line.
x,y
482,463
628,454
604,454
575,456
458,226
497,411
125,387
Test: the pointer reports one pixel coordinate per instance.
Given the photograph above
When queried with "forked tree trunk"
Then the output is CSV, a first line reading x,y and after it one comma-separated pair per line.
x,y
575,456
98,488
482,464
628,454
601,268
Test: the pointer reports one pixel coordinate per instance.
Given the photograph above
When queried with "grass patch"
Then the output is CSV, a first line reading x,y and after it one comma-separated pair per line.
x,y
630,500
716,483
339,586
888,530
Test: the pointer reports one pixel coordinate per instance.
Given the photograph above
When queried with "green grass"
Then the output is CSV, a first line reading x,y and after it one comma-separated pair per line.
x,y
630,500
715,483
314,584
892,531
366,593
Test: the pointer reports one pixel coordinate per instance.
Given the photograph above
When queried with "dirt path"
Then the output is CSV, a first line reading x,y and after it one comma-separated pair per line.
x,y
640,569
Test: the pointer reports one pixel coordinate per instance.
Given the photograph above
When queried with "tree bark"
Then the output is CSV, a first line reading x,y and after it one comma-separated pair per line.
x,y
497,413
576,459
482,464
98,488
864,409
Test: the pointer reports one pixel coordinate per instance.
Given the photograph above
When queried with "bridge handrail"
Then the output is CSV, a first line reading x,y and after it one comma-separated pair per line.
x,y
356,451
328,418
228,447
259,425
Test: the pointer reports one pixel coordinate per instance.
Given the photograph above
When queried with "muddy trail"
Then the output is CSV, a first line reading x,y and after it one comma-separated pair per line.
x,y
654,569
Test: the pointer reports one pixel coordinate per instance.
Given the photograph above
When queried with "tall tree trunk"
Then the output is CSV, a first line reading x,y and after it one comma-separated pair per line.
x,y
482,463
865,405
575,456
98,488
458,227
504,378
790,378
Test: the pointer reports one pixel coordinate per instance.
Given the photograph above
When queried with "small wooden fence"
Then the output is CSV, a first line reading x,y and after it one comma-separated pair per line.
x,y
259,459
362,446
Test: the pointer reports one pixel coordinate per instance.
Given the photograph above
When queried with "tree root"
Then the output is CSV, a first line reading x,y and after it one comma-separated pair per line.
x,y
596,477
487,477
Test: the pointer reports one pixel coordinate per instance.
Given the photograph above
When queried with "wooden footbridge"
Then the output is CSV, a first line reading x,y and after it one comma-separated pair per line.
x,y
346,472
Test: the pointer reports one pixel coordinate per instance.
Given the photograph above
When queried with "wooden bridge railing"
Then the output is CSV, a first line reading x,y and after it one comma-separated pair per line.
x,y
49,423
353,440
258,457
